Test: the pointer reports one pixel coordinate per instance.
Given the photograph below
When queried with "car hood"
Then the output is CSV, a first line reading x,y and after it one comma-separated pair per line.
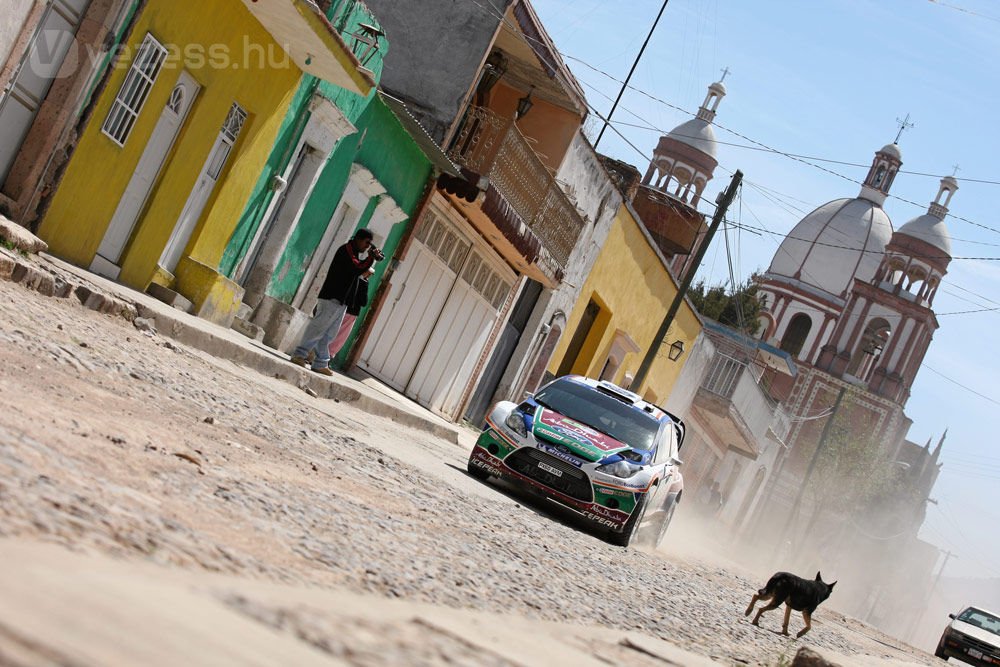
x,y
582,440
976,633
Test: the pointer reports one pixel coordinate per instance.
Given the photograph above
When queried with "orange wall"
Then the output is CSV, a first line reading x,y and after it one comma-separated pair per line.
x,y
551,126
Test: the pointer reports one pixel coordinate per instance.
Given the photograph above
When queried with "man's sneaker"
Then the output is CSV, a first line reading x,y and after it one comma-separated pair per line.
x,y
325,370
298,361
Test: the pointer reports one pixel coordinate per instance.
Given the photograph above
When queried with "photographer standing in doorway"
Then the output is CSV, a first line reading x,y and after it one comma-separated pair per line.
x,y
345,270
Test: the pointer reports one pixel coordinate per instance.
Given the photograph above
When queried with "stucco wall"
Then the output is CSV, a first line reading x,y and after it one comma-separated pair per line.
x,y
100,170
12,18
437,49
632,285
597,200
691,376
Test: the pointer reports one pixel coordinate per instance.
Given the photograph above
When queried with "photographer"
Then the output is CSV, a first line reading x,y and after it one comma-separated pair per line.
x,y
346,268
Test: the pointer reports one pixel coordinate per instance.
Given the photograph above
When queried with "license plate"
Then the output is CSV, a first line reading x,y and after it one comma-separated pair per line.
x,y
978,655
549,469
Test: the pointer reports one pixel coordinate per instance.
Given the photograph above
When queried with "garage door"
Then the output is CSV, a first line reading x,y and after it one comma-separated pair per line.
x,y
438,317
45,54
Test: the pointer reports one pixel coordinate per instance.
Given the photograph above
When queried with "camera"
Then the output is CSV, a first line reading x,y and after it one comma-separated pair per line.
x,y
376,253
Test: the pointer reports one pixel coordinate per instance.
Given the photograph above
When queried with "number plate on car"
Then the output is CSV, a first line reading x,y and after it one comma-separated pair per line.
x,y
549,469
978,655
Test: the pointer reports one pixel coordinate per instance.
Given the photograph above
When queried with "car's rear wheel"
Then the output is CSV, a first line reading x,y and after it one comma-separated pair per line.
x,y
477,472
631,529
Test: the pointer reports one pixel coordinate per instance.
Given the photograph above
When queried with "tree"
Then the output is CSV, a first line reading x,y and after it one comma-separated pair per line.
x,y
739,308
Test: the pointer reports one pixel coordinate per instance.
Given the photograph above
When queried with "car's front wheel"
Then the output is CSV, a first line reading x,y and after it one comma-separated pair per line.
x,y
659,529
631,529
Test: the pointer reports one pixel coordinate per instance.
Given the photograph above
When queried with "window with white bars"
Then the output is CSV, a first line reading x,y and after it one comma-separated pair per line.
x,y
134,91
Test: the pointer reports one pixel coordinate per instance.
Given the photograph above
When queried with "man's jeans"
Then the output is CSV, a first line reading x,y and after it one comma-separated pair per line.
x,y
321,331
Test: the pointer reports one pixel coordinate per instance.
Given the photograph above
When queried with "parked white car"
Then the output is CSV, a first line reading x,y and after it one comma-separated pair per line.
x,y
973,636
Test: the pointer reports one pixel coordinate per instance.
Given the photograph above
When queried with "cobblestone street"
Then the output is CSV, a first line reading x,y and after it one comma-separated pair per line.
x,y
122,443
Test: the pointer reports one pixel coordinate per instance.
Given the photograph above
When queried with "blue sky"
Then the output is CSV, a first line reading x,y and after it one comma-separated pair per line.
x,y
828,78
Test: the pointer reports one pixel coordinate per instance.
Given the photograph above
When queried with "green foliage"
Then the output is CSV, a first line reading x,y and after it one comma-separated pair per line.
x,y
739,308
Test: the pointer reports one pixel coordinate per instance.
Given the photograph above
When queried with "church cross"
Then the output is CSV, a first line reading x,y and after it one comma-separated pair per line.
x,y
904,125
725,73
955,169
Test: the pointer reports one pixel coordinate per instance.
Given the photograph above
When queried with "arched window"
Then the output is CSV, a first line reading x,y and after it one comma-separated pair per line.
x,y
869,348
796,334
879,177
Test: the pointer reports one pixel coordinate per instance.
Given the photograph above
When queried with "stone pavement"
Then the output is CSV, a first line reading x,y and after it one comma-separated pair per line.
x,y
367,394
62,608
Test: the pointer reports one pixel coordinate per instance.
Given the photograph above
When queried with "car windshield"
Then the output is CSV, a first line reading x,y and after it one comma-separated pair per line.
x,y
601,412
981,619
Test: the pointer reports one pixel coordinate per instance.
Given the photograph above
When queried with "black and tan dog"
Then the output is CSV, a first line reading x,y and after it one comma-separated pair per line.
x,y
795,593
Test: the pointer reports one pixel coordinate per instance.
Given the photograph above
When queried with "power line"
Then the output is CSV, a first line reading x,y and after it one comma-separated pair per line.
x,y
959,384
964,10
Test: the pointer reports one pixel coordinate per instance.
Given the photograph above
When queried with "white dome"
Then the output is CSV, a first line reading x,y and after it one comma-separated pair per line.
x,y
893,151
839,241
930,229
698,134
718,87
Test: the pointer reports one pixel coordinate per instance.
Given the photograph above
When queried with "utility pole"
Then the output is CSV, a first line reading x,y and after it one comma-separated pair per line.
x,y
812,465
630,72
723,201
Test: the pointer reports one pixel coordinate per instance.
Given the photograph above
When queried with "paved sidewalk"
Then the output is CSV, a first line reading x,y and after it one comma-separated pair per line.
x,y
368,394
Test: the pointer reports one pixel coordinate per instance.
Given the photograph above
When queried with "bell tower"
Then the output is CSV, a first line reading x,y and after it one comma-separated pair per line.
x,y
889,322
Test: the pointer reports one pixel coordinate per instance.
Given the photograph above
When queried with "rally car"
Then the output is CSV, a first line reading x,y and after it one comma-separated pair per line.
x,y
598,449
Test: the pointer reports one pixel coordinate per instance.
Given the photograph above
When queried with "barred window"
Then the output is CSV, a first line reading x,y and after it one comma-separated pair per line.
x,y
134,91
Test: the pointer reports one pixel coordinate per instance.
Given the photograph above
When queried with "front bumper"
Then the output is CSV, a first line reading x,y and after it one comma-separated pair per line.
x,y
968,649
560,480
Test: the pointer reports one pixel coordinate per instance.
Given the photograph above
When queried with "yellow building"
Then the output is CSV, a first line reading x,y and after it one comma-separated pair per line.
x,y
179,137
621,306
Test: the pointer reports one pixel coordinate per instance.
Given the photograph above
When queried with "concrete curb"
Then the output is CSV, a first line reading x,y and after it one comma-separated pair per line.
x,y
268,363
52,277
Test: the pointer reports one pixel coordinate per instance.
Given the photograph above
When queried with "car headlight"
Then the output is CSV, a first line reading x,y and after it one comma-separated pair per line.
x,y
622,469
515,422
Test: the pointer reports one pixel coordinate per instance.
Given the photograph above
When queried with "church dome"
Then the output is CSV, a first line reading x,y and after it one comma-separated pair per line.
x,y
893,151
839,241
930,226
698,134
930,229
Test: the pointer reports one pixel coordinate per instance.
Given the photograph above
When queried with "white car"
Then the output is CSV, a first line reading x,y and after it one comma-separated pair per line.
x,y
972,636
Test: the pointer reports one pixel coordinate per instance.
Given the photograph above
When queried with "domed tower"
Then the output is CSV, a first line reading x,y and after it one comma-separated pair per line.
x,y
685,159
809,280
889,322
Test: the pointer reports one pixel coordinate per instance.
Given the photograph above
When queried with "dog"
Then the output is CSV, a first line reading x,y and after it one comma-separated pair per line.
x,y
795,593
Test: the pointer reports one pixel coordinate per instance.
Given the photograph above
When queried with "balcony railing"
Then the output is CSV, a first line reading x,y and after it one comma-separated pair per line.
x,y
731,379
492,146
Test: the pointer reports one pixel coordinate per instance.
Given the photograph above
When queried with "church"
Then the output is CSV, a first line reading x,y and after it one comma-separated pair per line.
x,y
851,297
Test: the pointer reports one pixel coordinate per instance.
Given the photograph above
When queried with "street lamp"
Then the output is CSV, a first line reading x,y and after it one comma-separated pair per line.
x,y
366,42
676,350
524,105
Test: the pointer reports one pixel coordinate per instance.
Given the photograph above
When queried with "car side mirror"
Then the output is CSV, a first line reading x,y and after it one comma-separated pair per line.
x,y
676,461
952,616
528,395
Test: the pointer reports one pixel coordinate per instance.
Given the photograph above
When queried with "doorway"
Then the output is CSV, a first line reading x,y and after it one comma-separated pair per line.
x,y
107,261
203,187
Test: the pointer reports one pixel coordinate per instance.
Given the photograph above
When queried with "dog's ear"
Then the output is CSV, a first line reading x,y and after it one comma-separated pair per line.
x,y
830,586
819,577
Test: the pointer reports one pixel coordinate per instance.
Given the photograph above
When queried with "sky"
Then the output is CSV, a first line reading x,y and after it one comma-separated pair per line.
x,y
829,79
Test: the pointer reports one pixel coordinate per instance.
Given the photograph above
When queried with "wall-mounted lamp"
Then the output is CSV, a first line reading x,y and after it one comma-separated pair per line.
x,y
676,350
366,42
524,105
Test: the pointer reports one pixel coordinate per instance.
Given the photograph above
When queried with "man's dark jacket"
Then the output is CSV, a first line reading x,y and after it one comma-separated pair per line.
x,y
345,269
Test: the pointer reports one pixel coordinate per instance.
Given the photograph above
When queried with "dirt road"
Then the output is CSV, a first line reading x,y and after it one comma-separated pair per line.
x,y
123,444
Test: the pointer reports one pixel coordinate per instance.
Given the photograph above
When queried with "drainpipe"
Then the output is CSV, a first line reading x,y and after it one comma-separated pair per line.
x,y
383,289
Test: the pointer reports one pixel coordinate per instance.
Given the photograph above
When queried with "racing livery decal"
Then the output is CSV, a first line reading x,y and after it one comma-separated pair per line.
x,y
581,439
